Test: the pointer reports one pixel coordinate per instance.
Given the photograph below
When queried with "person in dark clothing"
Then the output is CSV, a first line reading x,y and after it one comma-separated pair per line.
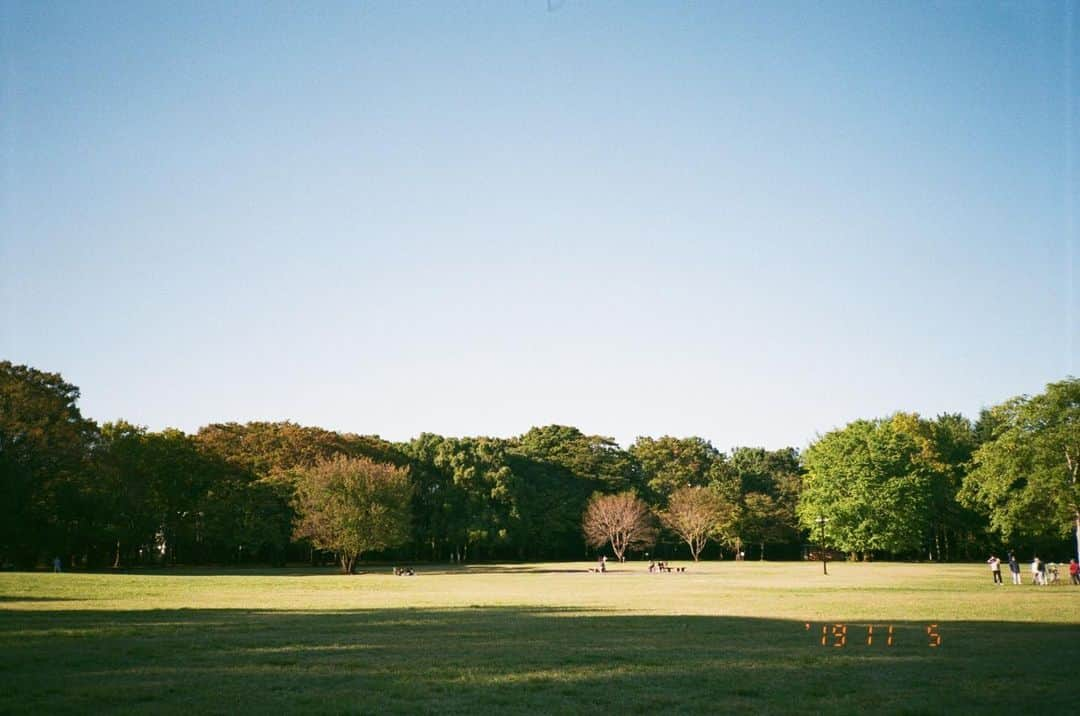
x,y
1014,568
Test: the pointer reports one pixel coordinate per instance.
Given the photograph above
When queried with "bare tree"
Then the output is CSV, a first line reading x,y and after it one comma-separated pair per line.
x,y
622,520
693,513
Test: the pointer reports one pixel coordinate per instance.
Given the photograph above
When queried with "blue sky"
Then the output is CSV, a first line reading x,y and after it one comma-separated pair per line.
x,y
752,222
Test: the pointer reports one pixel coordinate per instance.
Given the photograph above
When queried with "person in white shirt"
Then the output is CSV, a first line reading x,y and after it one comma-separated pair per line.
x,y
995,568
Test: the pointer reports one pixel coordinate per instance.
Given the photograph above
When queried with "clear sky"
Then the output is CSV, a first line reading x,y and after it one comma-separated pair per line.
x,y
752,222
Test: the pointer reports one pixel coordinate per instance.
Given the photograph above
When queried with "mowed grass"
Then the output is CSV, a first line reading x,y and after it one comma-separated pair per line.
x,y
722,637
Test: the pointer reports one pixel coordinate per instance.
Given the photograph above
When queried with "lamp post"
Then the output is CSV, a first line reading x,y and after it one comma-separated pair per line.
x,y
824,555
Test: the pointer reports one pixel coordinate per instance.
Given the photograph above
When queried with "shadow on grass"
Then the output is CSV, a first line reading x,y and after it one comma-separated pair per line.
x,y
514,660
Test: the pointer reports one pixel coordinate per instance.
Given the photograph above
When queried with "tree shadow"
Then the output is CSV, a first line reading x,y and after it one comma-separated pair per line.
x,y
503,568
517,660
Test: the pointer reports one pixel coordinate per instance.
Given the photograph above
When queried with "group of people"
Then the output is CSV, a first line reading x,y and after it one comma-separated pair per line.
x,y
1041,572
663,567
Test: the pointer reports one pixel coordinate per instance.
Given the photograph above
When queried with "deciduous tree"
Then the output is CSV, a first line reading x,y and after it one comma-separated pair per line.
x,y
44,448
864,479
1027,476
353,505
622,520
693,514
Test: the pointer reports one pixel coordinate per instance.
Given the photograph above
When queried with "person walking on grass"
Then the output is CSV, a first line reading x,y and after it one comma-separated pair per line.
x,y
995,568
1014,568
1074,571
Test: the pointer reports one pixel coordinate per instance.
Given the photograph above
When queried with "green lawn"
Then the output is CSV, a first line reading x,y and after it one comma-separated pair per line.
x,y
538,639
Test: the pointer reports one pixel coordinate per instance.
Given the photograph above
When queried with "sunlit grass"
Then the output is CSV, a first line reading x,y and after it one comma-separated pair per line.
x,y
532,638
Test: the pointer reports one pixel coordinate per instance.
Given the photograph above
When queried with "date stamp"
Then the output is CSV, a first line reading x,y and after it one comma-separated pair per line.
x,y
840,635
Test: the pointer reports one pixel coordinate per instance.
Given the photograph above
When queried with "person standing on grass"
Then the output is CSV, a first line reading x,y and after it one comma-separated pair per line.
x,y
56,564
995,568
1014,568
1074,571
1035,570
1042,573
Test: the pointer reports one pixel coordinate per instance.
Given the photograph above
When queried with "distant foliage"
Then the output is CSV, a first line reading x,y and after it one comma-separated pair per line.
x,y
120,495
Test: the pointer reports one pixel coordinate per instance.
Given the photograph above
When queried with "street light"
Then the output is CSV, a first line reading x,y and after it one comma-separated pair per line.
x,y
824,555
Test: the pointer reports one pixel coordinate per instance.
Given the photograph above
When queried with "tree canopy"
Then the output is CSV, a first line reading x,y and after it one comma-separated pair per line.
x,y
865,481
1027,475
352,505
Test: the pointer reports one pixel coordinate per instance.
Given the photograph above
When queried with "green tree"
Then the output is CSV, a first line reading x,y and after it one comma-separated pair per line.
x,y
668,463
554,471
353,505
477,510
271,449
865,480
593,458
125,484
764,520
768,483
1027,475
45,445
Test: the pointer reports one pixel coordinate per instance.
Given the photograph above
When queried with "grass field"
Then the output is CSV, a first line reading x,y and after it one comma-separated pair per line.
x,y
545,638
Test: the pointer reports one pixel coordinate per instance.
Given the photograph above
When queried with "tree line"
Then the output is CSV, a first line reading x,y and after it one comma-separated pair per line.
x,y
903,486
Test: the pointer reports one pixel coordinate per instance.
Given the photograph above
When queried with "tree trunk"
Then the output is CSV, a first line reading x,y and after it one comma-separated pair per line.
x,y
348,561
116,561
762,558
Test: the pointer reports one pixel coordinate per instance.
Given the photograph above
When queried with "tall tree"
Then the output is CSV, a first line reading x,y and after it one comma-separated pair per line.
x,y
554,471
621,520
768,483
44,448
125,485
1027,476
353,505
865,480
